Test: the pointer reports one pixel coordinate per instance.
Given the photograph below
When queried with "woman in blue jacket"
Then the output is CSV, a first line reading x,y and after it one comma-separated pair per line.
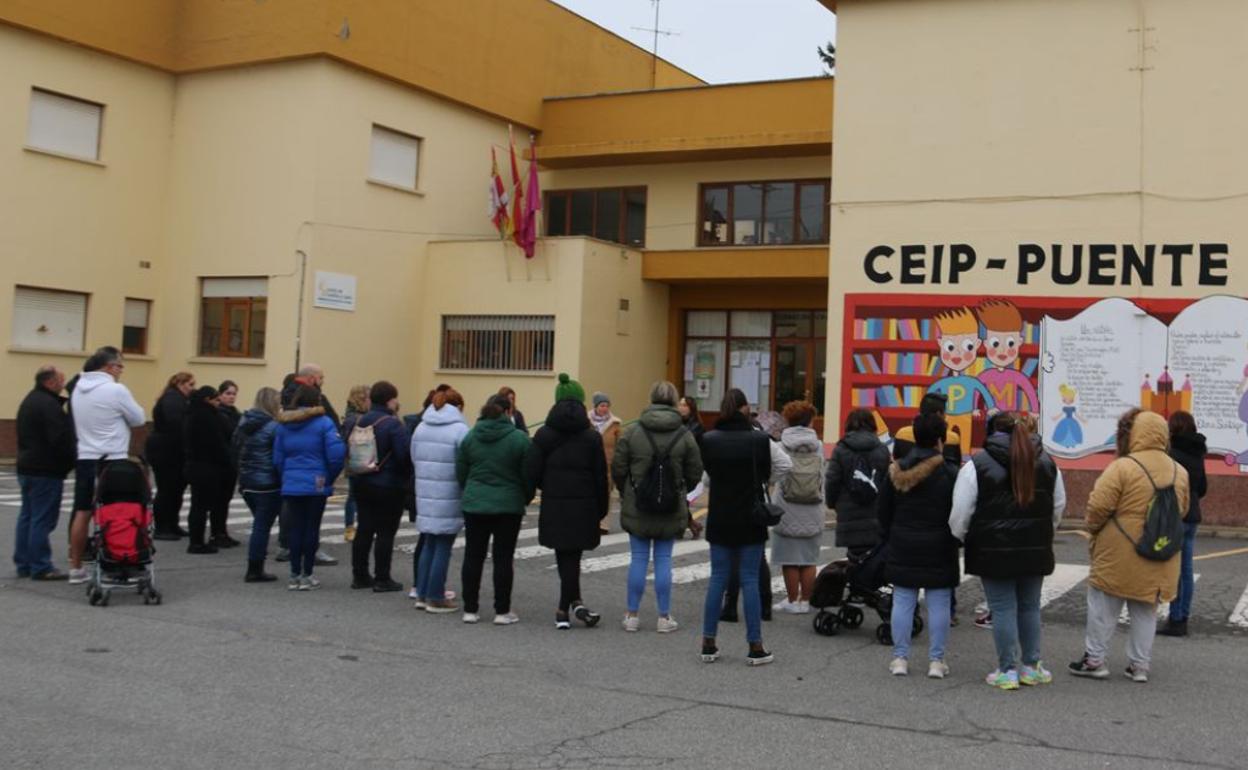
x,y
379,492
308,455
257,478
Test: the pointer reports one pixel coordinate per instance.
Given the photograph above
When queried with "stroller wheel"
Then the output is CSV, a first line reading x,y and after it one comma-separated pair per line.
x,y
104,597
826,623
851,617
917,628
93,596
884,634
155,596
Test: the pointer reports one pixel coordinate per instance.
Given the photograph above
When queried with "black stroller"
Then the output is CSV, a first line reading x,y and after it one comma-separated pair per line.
x,y
845,589
121,547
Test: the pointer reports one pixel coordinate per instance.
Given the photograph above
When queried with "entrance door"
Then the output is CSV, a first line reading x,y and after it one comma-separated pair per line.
x,y
792,372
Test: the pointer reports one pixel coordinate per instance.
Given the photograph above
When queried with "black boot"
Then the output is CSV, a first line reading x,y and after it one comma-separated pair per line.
x,y
256,573
1174,628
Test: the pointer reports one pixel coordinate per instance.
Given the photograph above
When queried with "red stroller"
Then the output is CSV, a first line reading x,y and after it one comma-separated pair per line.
x,y
121,542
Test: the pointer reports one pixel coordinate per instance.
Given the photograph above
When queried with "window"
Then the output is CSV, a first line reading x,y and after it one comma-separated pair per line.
x,y
764,213
395,158
134,327
616,214
64,125
520,343
232,317
47,319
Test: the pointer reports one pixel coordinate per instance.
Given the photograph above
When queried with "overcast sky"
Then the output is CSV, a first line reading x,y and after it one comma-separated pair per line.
x,y
723,41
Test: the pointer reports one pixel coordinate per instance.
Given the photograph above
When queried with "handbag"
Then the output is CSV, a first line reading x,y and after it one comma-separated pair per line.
x,y
763,512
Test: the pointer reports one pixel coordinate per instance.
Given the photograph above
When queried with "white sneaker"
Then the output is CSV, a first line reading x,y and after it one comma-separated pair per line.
x,y
412,594
667,625
472,617
803,608
421,604
631,623
899,667
506,619
785,606
937,669
309,583
79,576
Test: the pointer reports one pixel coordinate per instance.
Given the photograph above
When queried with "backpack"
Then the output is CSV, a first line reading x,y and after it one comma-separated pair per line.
x,y
362,449
1163,522
657,492
804,484
862,484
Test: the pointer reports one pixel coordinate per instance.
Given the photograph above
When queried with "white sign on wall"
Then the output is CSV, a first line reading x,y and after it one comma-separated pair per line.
x,y
334,291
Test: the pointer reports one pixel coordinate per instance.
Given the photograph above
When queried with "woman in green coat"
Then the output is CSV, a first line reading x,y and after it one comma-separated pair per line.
x,y
660,430
490,466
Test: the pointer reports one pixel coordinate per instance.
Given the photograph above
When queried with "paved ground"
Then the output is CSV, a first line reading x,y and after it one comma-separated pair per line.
x,y
225,674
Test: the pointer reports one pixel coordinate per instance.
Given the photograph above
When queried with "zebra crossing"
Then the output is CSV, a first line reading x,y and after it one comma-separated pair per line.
x,y
691,563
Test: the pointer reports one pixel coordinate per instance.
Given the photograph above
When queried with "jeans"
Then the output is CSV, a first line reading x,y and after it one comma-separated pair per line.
x,y
380,510
1015,607
750,557
640,548
1103,611
170,486
302,514
569,565
478,529
1181,607
420,547
265,507
735,579
905,601
41,506
349,507
435,559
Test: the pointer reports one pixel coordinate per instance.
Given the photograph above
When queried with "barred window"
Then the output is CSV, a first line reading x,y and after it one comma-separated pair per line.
x,y
521,343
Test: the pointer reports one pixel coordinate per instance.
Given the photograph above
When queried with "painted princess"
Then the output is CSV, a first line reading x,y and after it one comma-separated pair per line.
x,y
1069,431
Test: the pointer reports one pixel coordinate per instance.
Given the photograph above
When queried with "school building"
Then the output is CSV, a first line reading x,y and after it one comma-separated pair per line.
x,y
232,188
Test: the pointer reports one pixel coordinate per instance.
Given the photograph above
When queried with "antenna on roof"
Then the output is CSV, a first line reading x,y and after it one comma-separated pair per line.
x,y
654,52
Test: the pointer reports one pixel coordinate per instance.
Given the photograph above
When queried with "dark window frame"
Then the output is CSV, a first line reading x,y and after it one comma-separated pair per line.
x,y
141,348
566,201
223,347
728,187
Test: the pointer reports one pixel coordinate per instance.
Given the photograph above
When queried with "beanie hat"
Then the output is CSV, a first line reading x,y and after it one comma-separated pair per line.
x,y
601,398
569,388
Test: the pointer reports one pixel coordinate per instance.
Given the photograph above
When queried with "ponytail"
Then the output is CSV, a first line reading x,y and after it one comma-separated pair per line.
x,y
1022,462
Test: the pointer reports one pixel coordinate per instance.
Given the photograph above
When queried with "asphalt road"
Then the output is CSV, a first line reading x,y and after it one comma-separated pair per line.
x,y
225,675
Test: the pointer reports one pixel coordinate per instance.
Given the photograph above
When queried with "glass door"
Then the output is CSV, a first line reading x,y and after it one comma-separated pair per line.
x,y
792,373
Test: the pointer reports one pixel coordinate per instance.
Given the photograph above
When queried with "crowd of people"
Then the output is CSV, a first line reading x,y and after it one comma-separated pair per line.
x,y
914,509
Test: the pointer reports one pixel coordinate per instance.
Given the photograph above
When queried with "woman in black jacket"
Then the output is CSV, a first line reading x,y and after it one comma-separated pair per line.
x,y
914,505
737,459
379,494
227,395
207,461
688,408
857,527
1188,448
164,452
568,464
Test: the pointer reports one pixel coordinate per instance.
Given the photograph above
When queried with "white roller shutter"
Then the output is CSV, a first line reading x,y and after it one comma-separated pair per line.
x,y
235,287
136,313
64,125
52,320
394,158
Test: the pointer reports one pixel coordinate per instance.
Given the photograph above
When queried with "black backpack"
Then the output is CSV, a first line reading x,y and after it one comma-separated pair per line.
x,y
1162,537
862,484
658,493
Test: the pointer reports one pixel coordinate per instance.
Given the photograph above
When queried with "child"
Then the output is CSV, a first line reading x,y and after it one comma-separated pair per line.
x,y
1002,324
959,341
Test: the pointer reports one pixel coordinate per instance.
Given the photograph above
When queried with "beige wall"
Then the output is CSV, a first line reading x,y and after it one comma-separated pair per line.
x,y
1001,122
672,188
580,282
77,226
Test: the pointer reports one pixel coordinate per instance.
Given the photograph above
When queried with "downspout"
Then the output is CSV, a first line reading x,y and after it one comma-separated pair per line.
x,y
303,279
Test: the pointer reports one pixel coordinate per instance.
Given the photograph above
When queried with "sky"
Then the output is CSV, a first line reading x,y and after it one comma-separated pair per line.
x,y
723,41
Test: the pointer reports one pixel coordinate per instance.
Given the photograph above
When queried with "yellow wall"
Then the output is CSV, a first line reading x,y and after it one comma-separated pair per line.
x,y
78,226
580,282
1054,122
499,56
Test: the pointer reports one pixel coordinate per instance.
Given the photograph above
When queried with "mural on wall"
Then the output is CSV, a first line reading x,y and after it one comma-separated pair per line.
x,y
1076,363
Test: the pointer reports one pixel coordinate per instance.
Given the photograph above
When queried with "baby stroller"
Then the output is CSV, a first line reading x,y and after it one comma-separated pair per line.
x,y
121,543
846,588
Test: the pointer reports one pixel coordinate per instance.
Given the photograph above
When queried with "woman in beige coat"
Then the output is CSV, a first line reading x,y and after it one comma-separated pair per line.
x,y
1118,573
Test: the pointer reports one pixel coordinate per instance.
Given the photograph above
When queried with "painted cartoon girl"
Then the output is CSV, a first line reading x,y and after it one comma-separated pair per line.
x,y
1069,431
1241,391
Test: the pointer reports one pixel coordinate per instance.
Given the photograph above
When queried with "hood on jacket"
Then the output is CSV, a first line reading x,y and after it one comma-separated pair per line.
x,y
568,416
860,441
253,420
800,438
1150,431
298,418
89,381
490,431
660,418
913,469
449,413
1193,444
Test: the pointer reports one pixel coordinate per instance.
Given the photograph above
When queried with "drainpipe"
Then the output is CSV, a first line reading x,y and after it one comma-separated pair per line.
x,y
303,279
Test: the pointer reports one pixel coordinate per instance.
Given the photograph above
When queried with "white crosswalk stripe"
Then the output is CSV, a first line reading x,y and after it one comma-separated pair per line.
x,y
1163,609
1239,615
1064,578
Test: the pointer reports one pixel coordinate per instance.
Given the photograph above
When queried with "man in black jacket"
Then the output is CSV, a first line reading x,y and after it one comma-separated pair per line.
x,y
45,456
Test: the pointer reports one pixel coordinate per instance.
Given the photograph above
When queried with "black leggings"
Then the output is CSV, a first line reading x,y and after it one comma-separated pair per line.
x,y
478,529
379,510
569,563
170,486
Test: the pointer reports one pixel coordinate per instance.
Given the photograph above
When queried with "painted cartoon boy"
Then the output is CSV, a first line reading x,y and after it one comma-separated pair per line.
x,y
1002,327
957,334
